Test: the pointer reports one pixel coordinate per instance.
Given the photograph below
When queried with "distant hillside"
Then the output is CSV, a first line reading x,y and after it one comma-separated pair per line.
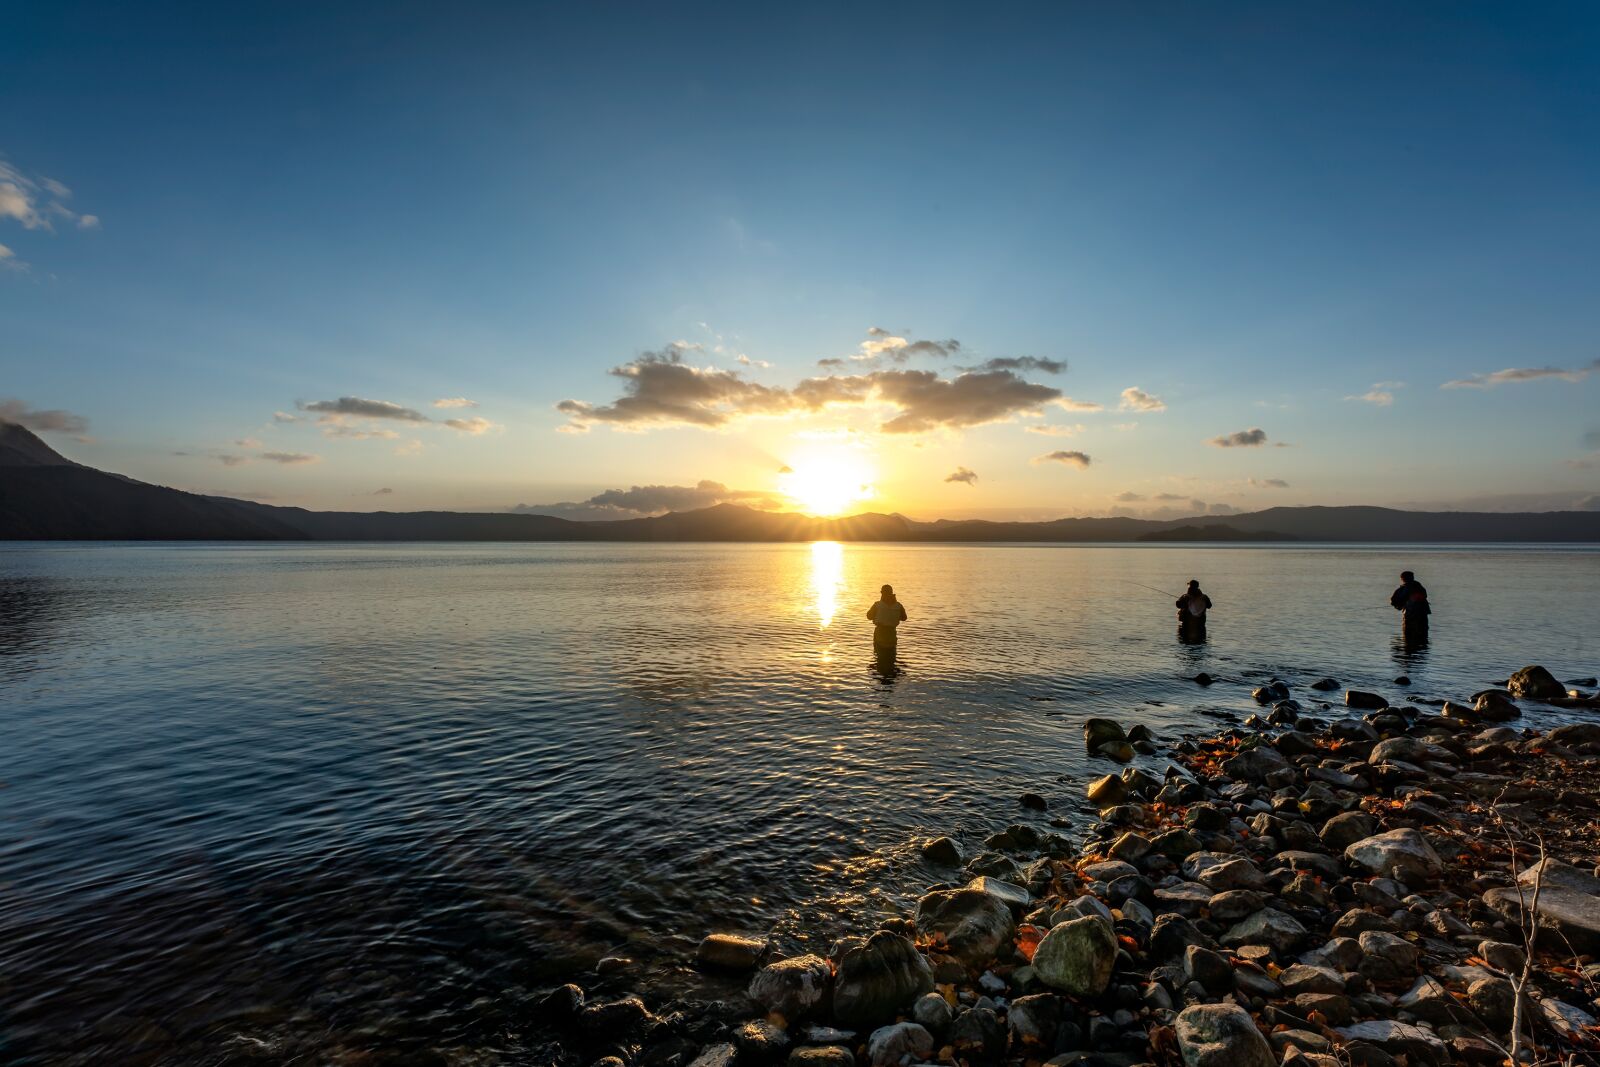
x,y
45,496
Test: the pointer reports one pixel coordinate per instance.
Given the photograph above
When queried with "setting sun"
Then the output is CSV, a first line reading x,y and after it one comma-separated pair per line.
x,y
826,483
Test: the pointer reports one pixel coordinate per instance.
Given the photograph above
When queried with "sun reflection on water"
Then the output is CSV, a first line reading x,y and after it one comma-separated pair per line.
x,y
827,574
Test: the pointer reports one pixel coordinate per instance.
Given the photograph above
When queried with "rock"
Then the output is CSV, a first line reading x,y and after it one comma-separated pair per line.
x,y
1184,898
1387,956
794,987
1430,1001
1535,683
1077,956
1315,862
1130,847
1334,1008
1401,1038
1586,733
1107,870
1203,679
1033,1020
1275,929
1106,791
1235,904
1270,693
1221,1035
997,865
1410,750
1325,685
1345,829
1176,844
974,924
1308,978
1493,1000
1010,894
721,1055
1172,934
1495,705
625,1019
977,1034
1222,871
1208,968
1341,954
1097,732
1356,698
760,1039
1254,764
1206,818
1569,900
890,1045
730,952
822,1056
879,977
561,1005
1565,1019
1502,956
932,1012
942,851
1403,853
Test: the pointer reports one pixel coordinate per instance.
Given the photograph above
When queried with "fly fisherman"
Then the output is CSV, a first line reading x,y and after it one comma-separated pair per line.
x,y
886,613
1192,608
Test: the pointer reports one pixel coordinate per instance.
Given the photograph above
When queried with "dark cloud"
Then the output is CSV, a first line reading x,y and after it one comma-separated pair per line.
x,y
1046,366
1128,497
943,349
661,390
641,500
473,426
1522,374
229,460
832,362
1251,438
42,421
1167,496
1071,459
361,408
962,474
290,458
382,492
1269,483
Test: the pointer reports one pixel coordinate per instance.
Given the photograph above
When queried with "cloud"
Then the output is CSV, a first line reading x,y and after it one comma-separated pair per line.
x,y
284,416
354,433
1169,496
361,408
1522,374
248,442
473,426
290,458
1379,397
1071,459
454,402
831,362
881,344
228,460
641,500
382,492
1056,431
1128,497
9,261
1268,483
1078,405
42,421
662,390
1251,438
1136,399
962,474
748,362
1047,366
35,201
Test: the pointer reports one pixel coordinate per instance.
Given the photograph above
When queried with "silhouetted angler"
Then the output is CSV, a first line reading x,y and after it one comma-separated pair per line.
x,y
886,614
1192,608
1411,600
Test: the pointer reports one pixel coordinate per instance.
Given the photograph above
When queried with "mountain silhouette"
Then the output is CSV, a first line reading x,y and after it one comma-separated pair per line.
x,y
46,497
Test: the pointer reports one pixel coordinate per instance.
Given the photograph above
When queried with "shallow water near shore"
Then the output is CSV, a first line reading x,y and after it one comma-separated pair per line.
x,y
300,801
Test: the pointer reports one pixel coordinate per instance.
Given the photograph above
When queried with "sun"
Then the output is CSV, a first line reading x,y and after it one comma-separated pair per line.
x,y
826,483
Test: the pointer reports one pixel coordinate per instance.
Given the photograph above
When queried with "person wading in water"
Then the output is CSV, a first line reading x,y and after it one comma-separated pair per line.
x,y
886,614
1192,608
1411,600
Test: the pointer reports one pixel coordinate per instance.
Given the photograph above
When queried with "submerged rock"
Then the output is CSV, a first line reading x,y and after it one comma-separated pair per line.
x,y
1356,698
942,851
1535,683
730,952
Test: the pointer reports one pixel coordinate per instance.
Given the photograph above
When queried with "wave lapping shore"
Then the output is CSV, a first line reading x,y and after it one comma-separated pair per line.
x,y
1375,885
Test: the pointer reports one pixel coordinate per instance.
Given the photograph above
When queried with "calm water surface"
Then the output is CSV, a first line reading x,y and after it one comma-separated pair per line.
x,y
329,803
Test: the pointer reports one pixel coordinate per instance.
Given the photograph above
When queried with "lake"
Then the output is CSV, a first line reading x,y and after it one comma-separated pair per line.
x,y
278,803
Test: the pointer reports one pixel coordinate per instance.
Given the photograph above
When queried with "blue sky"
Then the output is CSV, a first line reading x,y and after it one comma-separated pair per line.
x,y
1253,213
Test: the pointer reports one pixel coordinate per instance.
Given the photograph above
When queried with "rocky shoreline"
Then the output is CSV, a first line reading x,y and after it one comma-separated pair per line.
x,y
1322,884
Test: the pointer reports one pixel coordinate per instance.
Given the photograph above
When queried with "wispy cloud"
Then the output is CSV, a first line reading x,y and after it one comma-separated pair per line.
x,y
642,500
1127,496
362,408
473,426
51,420
1056,431
290,458
354,417
454,402
1078,405
1136,399
1251,438
35,202
1024,363
1522,374
962,474
1071,459
1268,483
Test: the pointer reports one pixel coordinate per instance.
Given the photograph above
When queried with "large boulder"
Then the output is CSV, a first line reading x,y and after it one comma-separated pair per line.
x,y
1569,901
972,923
878,977
1495,705
1402,853
1535,683
1584,733
1221,1035
794,988
1077,956
1414,1042
1097,732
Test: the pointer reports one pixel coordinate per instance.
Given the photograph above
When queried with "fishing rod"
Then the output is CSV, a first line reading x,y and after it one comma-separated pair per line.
x,y
1152,588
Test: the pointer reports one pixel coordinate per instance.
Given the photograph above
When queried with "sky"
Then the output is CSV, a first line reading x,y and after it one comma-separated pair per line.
x,y
604,260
